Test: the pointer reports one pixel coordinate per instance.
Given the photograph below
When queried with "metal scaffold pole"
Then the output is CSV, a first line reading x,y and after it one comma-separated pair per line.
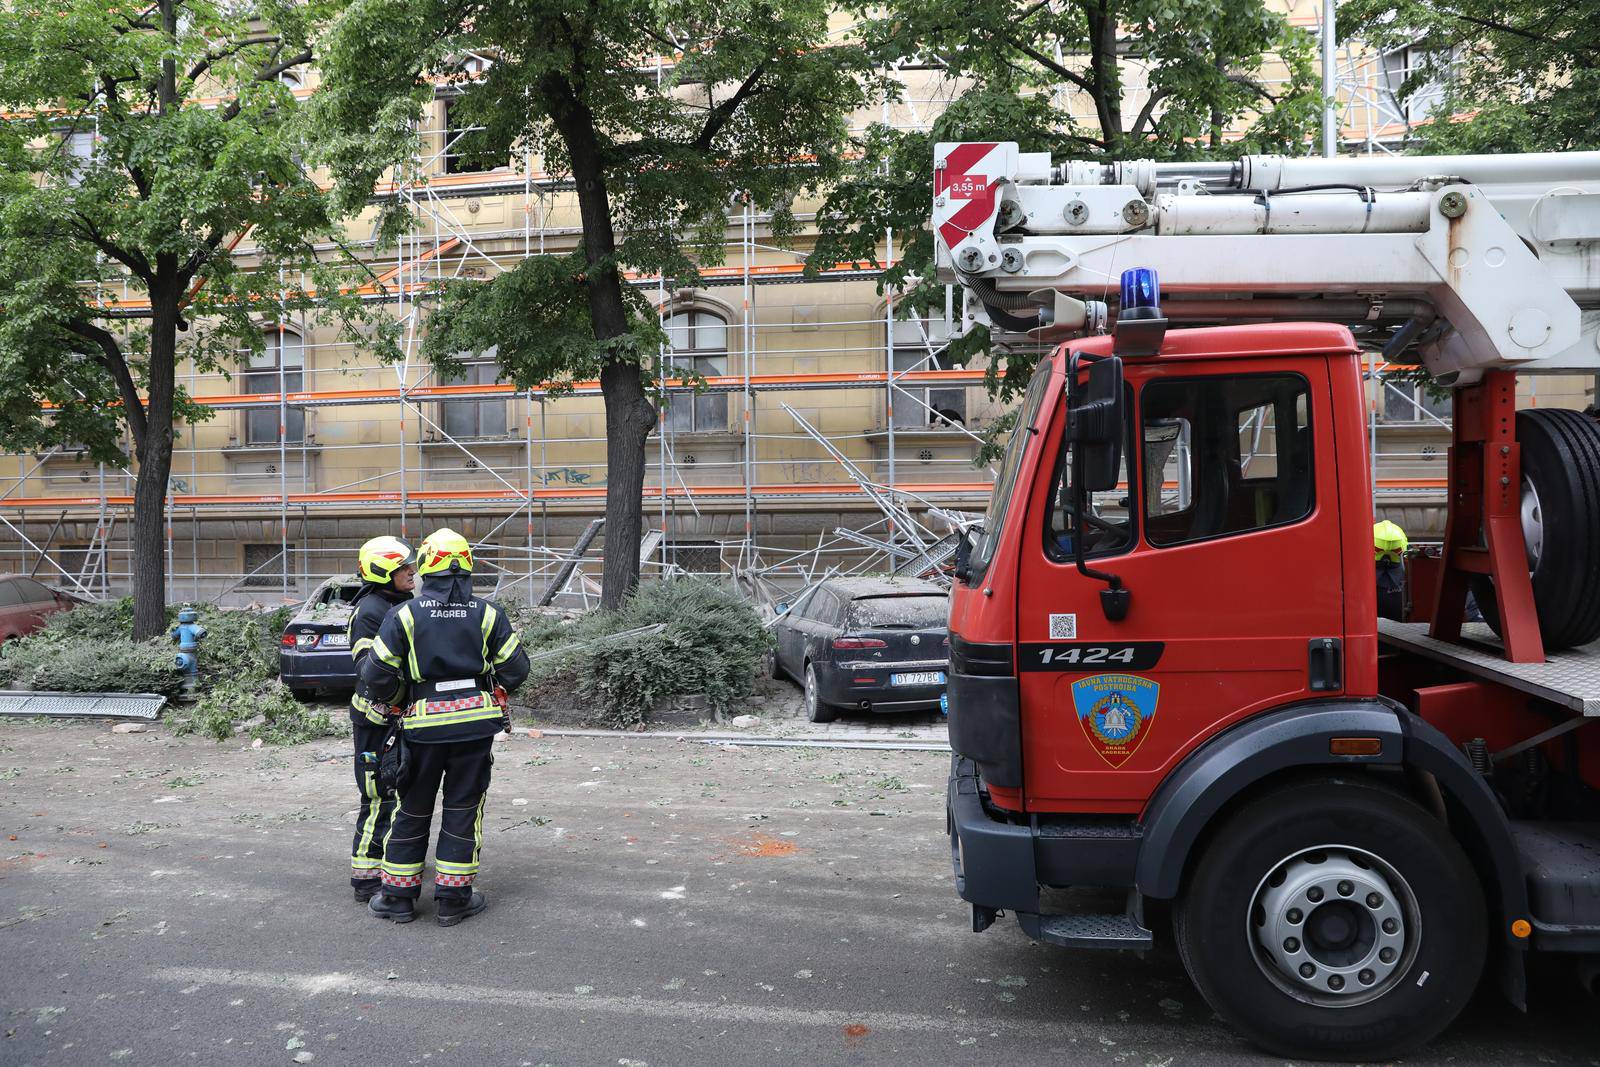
x,y
1330,103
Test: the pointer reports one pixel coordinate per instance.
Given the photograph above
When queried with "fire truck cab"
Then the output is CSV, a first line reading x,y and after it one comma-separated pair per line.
x,y
1167,681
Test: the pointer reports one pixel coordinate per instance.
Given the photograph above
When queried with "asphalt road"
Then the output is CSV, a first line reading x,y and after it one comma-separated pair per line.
x,y
651,902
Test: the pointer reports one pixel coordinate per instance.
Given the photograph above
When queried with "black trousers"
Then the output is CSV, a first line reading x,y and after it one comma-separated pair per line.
x,y
461,769
372,821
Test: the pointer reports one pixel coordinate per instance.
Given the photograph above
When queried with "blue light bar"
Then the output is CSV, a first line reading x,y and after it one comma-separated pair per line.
x,y
1140,289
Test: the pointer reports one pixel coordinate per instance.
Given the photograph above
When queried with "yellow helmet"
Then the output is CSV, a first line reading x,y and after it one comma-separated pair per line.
x,y
381,557
1388,541
442,548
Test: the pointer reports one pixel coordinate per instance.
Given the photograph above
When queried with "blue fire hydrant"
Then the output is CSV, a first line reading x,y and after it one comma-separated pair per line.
x,y
188,633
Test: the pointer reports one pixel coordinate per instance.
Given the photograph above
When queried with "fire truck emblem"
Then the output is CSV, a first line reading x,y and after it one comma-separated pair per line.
x,y
1115,711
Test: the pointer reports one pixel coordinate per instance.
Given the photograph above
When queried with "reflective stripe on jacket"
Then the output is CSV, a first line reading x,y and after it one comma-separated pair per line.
x,y
453,648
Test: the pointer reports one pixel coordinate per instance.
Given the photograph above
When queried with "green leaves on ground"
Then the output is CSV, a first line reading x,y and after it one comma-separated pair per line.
x,y
51,663
713,644
89,650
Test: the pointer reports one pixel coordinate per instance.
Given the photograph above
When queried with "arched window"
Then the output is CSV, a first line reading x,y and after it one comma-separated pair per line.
x,y
698,342
279,365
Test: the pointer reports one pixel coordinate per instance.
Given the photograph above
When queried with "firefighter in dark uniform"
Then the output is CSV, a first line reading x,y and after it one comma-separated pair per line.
x,y
1389,546
459,656
388,570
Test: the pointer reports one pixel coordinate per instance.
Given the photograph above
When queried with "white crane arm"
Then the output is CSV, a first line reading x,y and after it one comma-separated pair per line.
x,y
1475,262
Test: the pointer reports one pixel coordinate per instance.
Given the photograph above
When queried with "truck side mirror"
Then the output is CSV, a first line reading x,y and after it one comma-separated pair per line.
x,y
1094,423
1094,431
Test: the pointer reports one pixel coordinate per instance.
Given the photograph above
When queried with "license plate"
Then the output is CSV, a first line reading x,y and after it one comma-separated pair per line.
x,y
918,678
335,641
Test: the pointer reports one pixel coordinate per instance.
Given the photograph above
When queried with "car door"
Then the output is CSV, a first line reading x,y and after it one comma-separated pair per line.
x,y
787,634
1229,544
13,612
819,625
38,602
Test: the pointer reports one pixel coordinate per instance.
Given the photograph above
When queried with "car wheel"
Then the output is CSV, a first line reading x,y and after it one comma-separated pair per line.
x,y
816,709
1334,919
304,696
774,669
1560,511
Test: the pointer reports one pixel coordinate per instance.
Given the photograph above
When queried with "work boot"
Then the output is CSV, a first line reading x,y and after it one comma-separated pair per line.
x,y
365,891
453,911
395,909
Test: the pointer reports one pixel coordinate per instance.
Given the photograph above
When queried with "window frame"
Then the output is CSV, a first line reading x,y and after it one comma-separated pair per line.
x,y
687,359
1311,424
268,578
471,367
273,338
1133,459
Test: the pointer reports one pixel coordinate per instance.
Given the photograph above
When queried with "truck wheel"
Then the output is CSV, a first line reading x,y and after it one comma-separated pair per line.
x,y
1333,919
816,709
1560,514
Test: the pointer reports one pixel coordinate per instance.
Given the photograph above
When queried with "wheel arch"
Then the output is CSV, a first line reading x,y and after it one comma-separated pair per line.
x,y
1266,751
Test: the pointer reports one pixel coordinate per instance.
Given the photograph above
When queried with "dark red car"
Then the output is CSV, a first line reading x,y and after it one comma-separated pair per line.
x,y
25,605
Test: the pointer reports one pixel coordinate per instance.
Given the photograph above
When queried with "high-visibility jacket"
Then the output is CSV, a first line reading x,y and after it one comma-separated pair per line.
x,y
453,650
373,605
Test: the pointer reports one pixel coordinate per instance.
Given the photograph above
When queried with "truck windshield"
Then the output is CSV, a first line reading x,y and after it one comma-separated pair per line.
x,y
1006,483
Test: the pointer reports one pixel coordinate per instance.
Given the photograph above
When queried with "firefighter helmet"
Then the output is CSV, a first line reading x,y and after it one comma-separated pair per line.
x,y
444,550
381,557
1388,541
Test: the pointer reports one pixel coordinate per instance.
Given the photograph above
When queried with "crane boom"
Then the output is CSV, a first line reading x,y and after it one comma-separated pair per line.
x,y
1472,263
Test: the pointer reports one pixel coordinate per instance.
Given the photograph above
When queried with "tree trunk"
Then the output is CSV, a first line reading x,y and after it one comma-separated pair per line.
x,y
155,464
629,417
629,413
1102,23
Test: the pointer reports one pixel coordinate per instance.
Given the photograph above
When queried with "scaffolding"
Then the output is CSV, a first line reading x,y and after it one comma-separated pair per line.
x,y
904,508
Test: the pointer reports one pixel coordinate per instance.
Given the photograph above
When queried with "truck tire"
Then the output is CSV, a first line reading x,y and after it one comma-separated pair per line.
x,y
1560,517
1333,919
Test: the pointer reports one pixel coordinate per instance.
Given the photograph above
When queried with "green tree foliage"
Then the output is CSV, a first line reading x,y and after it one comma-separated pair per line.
x,y
713,644
1021,62
1517,76
139,144
750,105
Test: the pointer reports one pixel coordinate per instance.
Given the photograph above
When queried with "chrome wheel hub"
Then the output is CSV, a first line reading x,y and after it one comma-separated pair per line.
x,y
1334,926
1532,523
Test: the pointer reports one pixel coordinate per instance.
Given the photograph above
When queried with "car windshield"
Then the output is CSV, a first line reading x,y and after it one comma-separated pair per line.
x,y
915,612
342,593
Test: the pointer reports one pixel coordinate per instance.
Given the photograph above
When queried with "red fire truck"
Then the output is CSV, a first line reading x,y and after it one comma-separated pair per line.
x,y
1168,678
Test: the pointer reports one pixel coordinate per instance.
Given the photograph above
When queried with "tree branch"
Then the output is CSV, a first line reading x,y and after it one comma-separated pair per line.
x,y
1148,111
133,259
1055,68
111,358
720,114
206,61
271,70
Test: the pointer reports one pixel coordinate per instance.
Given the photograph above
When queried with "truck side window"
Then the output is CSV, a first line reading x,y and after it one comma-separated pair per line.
x,y
1108,528
1225,456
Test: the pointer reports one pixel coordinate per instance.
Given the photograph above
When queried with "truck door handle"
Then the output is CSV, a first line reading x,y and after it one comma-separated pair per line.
x,y
1325,664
